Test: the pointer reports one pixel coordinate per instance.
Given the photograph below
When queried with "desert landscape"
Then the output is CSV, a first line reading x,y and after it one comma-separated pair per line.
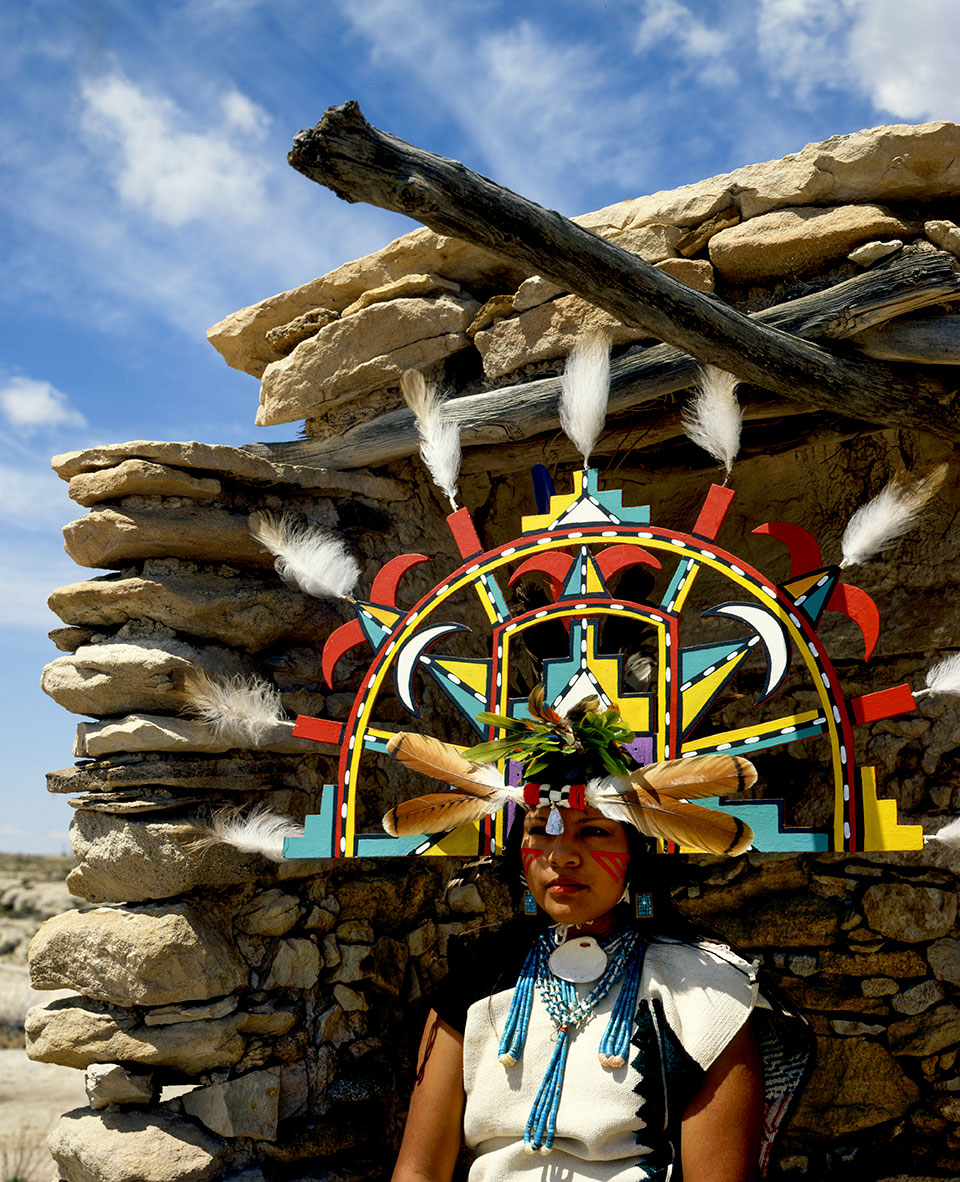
x,y
32,1095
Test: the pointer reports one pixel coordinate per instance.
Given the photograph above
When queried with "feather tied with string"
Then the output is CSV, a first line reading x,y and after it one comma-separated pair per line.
x,y
259,832
312,559
439,434
585,387
713,418
942,678
479,789
888,516
241,711
654,799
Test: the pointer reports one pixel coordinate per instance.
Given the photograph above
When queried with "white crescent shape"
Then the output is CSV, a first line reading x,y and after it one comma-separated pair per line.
x,y
773,637
409,657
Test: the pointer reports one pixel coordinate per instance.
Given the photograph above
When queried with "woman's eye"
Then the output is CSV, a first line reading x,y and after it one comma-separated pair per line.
x,y
595,831
537,829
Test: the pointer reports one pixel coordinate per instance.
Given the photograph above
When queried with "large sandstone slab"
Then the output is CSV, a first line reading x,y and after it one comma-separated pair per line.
x,y
133,1146
132,861
363,353
544,332
158,732
240,338
857,1084
119,677
792,241
140,478
245,612
248,1106
149,955
232,462
77,1032
910,913
116,538
240,772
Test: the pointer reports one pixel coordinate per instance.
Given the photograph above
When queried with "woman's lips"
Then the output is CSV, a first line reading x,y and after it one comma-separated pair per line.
x,y
565,888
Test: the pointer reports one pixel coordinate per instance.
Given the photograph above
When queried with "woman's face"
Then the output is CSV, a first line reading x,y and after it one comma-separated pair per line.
x,y
576,877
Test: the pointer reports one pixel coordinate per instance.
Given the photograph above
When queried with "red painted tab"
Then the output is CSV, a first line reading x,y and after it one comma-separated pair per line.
x,y
321,730
575,797
613,559
531,795
554,565
883,704
713,512
464,533
803,546
858,605
387,580
338,643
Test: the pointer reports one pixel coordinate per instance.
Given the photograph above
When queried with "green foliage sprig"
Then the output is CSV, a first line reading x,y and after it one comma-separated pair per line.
x,y
585,744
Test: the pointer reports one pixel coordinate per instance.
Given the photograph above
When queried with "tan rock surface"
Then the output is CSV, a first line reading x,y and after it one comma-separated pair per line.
x,y
926,1033
363,353
792,241
296,965
944,234
285,337
696,273
856,1084
910,913
403,288
117,677
158,732
76,1032
944,957
244,1107
240,337
109,1083
233,462
133,861
114,538
133,1147
533,291
544,332
242,611
140,478
150,955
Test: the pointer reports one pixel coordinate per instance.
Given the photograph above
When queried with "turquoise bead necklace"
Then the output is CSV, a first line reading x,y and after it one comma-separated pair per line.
x,y
568,1011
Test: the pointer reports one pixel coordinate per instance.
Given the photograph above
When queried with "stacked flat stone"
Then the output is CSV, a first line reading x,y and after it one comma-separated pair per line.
x,y
286,997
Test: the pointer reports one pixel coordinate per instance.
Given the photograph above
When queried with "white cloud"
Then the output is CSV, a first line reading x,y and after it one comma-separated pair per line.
x,y
902,57
166,168
34,498
29,405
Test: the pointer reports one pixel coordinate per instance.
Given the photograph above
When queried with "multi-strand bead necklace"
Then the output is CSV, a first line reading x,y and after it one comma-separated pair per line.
x,y
624,955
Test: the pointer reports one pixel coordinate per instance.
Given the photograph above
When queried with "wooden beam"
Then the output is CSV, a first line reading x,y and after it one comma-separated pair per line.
x,y
930,340
360,163
513,413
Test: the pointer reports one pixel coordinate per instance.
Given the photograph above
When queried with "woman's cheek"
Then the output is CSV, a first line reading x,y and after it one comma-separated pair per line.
x,y
614,862
528,855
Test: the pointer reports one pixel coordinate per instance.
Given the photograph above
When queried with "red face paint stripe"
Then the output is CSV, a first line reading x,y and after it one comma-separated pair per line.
x,y
528,855
614,863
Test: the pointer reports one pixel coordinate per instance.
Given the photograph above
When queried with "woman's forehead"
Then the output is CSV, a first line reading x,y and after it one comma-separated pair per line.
x,y
570,816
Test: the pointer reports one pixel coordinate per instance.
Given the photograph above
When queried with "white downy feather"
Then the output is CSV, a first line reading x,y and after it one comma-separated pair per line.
x,y
241,710
316,561
942,678
439,434
585,387
259,832
948,835
713,418
892,512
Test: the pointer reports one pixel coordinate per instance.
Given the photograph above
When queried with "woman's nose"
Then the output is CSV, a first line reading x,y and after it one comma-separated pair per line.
x,y
563,851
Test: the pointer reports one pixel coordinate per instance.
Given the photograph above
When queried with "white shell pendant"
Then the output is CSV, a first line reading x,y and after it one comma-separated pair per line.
x,y
578,961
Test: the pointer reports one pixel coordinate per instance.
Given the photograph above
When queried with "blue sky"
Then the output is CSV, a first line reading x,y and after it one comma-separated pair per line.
x,y
145,194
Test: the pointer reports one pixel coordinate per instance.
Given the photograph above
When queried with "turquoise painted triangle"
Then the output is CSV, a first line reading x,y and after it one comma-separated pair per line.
x,y
814,603
701,657
376,633
575,585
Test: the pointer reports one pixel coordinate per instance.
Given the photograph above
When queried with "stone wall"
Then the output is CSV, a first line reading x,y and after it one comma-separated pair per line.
x,y
240,1020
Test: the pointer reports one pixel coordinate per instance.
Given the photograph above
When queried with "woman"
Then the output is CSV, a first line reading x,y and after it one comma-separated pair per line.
x,y
592,1040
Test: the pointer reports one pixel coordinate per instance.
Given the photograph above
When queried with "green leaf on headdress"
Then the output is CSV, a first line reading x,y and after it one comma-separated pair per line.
x,y
489,752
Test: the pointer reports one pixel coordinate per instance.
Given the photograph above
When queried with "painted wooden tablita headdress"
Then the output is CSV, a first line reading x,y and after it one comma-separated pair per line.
x,y
628,610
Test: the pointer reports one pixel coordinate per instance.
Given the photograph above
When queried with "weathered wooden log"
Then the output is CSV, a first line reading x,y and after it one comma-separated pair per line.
x,y
931,340
361,163
513,413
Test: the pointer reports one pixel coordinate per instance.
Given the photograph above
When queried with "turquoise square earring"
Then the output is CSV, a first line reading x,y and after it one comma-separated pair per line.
x,y
529,904
643,905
